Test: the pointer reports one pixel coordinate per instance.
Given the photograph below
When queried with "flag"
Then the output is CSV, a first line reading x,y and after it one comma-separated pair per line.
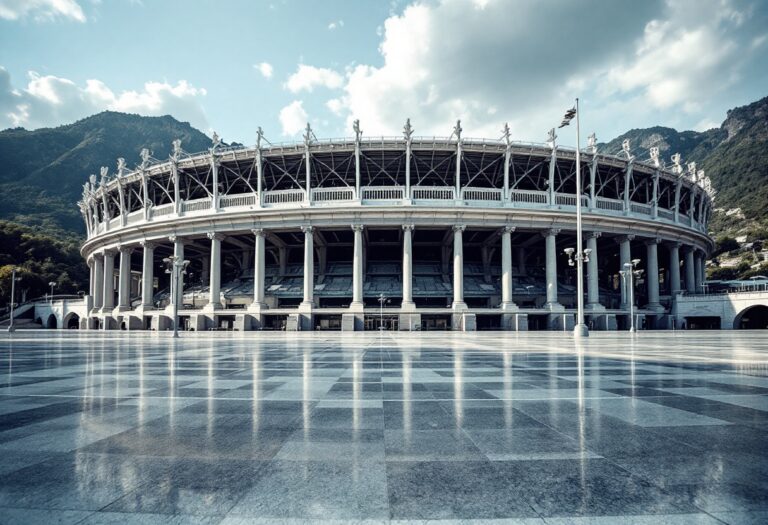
x,y
568,117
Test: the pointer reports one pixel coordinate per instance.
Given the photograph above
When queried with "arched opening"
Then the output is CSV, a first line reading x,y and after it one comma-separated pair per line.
x,y
71,321
753,318
51,322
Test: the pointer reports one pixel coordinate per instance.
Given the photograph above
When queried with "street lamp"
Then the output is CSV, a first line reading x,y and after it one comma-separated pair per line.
x,y
52,284
579,259
175,267
382,300
13,295
628,275
580,330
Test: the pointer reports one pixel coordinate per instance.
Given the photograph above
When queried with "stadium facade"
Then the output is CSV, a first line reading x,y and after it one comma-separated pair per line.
x,y
403,233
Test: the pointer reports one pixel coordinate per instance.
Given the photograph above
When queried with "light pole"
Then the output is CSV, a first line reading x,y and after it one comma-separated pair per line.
x,y
580,330
52,284
13,296
382,300
628,275
175,267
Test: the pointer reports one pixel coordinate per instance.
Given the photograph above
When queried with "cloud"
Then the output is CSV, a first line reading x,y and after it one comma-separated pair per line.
x,y
336,24
306,78
265,68
41,10
293,118
632,63
49,101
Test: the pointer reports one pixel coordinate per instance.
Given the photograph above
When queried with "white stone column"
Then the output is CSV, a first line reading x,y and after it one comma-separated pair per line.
x,y
205,262
124,289
357,269
690,277
178,251
593,283
550,240
98,281
625,257
259,269
91,264
674,268
652,272
506,268
109,281
698,271
458,268
214,285
309,267
147,275
408,303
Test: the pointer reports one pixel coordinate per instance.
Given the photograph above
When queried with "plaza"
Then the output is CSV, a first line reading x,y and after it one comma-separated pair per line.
x,y
110,427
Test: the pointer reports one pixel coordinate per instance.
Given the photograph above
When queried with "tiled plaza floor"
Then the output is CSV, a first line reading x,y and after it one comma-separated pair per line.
x,y
662,428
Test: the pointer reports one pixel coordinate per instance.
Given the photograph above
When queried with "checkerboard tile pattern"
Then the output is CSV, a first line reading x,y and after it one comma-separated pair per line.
x,y
379,428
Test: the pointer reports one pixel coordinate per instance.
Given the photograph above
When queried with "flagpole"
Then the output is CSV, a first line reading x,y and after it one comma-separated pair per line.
x,y
580,330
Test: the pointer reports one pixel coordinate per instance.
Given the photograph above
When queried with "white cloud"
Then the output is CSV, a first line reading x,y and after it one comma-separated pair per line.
x,y
41,10
336,24
306,78
49,101
524,62
293,118
265,68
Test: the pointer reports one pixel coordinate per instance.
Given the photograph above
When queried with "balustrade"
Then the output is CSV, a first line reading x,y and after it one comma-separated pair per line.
x,y
481,194
433,193
238,200
196,205
322,195
383,193
283,197
604,203
644,209
528,197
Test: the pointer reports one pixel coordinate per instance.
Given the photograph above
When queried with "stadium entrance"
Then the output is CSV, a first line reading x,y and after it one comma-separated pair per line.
x,y
387,322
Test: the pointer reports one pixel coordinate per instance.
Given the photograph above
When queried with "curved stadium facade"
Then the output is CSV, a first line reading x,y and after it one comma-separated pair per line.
x,y
409,233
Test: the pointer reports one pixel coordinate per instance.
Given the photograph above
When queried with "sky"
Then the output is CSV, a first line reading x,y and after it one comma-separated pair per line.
x,y
232,66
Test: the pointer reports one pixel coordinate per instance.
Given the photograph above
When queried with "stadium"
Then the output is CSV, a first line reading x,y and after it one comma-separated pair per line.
x,y
394,233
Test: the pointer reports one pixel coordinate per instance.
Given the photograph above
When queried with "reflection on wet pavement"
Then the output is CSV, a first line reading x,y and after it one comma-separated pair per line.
x,y
529,428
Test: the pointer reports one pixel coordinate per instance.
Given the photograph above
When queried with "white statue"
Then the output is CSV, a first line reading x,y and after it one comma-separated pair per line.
x,y
457,130
216,140
357,130
408,130
144,157
176,148
592,143
506,133
120,166
308,135
625,148
551,138
259,136
655,156
677,161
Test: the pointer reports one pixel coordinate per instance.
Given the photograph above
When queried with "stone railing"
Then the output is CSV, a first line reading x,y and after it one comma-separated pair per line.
x,y
283,197
481,194
239,200
603,203
384,195
433,193
529,197
196,205
322,195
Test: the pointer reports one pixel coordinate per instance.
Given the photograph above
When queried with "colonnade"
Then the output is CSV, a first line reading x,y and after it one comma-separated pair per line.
x,y
103,271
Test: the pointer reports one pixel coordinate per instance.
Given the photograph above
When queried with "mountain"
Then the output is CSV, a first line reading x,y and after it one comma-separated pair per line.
x,y
43,171
734,156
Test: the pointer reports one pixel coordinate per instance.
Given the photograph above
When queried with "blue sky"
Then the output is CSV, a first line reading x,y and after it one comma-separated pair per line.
x,y
231,66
